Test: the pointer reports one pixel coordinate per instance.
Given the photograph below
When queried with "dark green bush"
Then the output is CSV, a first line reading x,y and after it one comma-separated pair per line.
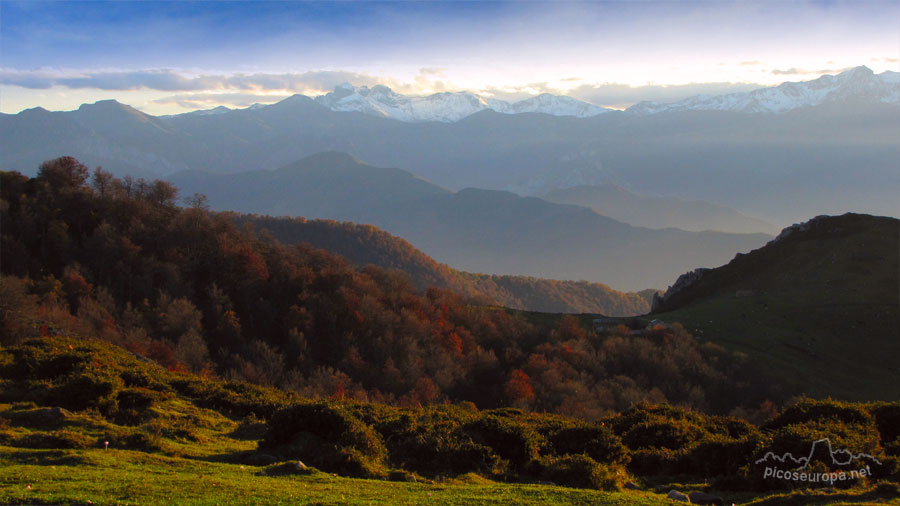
x,y
671,434
596,441
432,441
809,410
143,379
579,471
136,440
511,439
432,452
733,428
327,436
642,413
81,392
237,399
133,406
719,456
656,462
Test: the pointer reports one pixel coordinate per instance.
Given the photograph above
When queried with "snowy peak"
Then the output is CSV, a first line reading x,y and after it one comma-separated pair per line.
x,y
555,105
445,107
857,84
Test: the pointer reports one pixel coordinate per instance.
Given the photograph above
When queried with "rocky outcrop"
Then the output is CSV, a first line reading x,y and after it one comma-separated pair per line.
x,y
685,280
797,227
678,496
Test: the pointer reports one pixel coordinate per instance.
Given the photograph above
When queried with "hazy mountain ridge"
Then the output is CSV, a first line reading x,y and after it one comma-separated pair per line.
x,y
781,167
658,212
473,230
859,83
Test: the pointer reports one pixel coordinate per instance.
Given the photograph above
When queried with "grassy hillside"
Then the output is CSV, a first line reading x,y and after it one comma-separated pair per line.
x,y
86,422
819,307
365,244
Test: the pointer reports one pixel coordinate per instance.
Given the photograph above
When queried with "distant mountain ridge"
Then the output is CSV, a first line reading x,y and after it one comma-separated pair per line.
x,y
859,83
780,167
446,107
474,230
658,212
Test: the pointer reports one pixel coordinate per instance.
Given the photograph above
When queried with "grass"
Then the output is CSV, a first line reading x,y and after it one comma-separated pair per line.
x,y
123,477
96,476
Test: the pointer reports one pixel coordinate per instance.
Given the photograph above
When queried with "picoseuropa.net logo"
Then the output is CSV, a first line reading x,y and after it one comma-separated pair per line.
x,y
787,467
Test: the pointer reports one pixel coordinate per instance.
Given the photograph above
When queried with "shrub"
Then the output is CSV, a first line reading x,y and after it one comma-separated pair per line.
x,y
579,471
511,439
432,441
137,440
809,410
623,422
719,456
237,399
327,436
595,440
803,440
431,451
671,434
134,406
83,391
646,462
143,379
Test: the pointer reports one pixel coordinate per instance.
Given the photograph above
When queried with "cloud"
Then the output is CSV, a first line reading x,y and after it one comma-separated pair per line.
x,y
210,100
170,80
751,63
795,71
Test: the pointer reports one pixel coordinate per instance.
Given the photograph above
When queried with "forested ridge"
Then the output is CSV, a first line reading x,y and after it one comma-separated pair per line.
x,y
94,255
366,244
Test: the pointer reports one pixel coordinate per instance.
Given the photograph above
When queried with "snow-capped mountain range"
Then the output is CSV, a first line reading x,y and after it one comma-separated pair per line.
x,y
446,107
859,83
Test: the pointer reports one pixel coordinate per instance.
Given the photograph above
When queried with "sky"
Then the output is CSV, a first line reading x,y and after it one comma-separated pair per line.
x,y
172,57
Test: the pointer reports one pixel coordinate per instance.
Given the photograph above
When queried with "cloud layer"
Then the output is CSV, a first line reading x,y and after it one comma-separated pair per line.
x,y
170,80
198,91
